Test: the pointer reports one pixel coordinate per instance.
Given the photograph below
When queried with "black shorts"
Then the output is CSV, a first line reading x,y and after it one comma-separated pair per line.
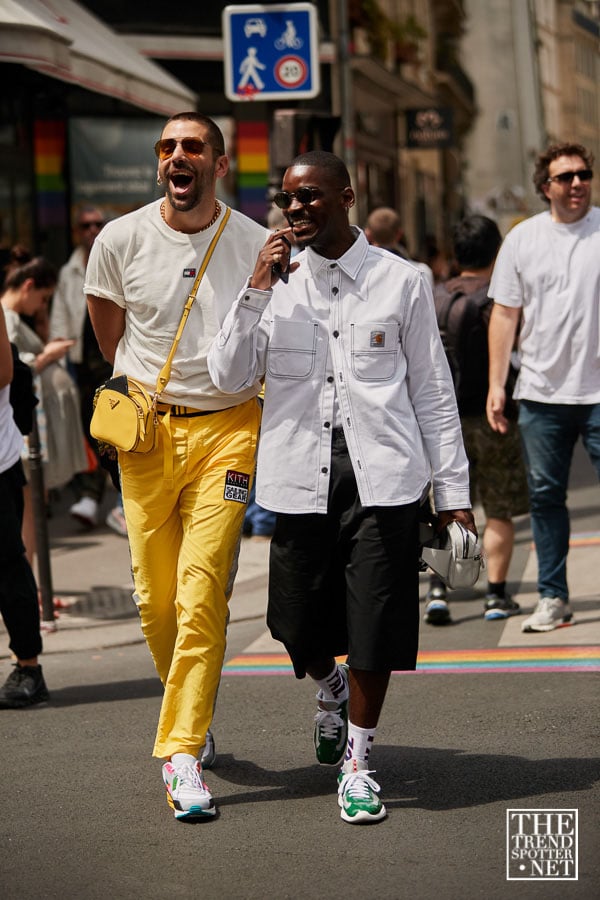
x,y
346,582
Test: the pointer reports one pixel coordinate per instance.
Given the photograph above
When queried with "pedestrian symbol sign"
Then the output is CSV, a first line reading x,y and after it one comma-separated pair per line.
x,y
271,52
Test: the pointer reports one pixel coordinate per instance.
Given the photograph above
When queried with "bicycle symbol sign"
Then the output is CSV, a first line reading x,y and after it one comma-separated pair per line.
x,y
289,39
271,52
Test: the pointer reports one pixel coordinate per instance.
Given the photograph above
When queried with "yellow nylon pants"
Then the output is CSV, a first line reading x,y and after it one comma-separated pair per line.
x,y
183,535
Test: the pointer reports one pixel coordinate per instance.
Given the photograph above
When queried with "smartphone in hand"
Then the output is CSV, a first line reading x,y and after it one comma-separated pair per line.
x,y
277,269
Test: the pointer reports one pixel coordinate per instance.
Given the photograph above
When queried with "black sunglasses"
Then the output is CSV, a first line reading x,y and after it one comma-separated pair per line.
x,y
190,146
85,225
567,177
304,195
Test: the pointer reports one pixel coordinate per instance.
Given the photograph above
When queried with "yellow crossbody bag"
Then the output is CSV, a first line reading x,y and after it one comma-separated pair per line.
x,y
124,410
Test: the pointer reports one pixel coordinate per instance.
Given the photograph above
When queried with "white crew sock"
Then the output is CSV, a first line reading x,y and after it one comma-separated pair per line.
x,y
360,741
334,688
183,759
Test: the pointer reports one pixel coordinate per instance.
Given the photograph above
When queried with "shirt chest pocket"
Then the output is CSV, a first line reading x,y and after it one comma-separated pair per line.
x,y
292,349
374,350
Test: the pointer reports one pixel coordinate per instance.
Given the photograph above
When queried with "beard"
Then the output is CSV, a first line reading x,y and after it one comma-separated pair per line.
x,y
201,184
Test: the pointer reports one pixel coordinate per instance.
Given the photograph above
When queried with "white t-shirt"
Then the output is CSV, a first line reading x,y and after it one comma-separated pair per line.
x,y
11,439
552,271
148,269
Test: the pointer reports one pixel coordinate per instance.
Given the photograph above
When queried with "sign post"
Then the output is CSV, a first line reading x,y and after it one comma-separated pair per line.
x,y
271,52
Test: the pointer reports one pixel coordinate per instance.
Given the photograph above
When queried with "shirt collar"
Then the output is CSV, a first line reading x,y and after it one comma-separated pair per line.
x,y
350,263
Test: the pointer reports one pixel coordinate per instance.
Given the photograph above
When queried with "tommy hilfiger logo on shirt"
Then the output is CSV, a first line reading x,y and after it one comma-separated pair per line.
x,y
236,486
189,273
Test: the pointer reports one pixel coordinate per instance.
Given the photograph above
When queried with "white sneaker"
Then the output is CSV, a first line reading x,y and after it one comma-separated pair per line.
x,y
116,520
550,613
187,793
357,794
85,511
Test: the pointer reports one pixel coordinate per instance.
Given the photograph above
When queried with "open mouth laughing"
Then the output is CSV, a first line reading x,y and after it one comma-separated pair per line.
x,y
180,181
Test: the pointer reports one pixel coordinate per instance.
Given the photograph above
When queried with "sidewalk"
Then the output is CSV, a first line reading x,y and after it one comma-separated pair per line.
x,y
91,575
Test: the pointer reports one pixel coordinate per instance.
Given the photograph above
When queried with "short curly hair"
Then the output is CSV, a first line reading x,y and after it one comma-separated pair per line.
x,y
542,163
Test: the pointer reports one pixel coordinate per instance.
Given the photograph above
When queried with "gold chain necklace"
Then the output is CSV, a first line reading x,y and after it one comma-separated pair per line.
x,y
216,215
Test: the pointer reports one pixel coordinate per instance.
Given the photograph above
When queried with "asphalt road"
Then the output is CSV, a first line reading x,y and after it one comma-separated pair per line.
x,y
84,813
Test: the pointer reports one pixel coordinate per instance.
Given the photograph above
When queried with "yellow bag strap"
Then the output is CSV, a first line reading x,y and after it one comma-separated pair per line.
x,y
165,372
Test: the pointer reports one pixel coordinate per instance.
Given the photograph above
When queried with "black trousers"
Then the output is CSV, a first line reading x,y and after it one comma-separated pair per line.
x,y
346,582
18,591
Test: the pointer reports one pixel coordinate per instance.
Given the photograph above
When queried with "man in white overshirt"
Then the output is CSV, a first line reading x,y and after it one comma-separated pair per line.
x,y
359,417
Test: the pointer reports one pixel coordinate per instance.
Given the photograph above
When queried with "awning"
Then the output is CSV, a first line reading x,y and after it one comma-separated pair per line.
x,y
61,39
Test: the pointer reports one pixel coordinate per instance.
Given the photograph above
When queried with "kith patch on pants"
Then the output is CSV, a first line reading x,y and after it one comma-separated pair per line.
x,y
237,485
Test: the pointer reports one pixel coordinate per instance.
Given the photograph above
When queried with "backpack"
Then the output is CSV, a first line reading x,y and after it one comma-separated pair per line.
x,y
463,330
463,320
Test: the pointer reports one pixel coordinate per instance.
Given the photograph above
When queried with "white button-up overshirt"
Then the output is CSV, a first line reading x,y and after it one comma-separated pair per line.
x,y
361,328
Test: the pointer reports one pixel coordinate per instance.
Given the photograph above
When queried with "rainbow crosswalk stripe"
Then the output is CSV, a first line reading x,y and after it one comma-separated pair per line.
x,y
447,662
584,539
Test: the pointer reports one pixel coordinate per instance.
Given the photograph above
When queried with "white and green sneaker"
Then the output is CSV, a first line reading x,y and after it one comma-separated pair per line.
x,y
331,727
357,794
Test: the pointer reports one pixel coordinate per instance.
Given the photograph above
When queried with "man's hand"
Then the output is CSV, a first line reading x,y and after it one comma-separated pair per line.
x,y
275,252
464,516
501,337
494,409
52,352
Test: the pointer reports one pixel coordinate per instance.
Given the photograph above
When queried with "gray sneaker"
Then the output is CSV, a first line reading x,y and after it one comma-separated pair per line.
x,y
209,752
550,613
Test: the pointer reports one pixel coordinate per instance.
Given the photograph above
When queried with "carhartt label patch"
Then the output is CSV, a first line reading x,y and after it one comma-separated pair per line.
x,y
189,273
377,339
236,486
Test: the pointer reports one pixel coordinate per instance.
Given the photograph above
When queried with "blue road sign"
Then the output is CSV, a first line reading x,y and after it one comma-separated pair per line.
x,y
271,52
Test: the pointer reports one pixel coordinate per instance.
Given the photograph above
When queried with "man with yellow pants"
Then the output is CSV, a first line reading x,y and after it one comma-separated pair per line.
x,y
184,501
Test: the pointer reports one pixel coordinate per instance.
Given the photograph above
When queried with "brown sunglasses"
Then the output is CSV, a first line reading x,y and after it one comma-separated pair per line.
x,y
190,146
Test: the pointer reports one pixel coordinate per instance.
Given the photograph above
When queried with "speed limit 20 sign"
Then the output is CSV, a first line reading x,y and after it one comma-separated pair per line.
x,y
271,52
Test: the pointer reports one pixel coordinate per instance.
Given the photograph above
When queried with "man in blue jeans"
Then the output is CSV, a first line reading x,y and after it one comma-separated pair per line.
x,y
548,273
